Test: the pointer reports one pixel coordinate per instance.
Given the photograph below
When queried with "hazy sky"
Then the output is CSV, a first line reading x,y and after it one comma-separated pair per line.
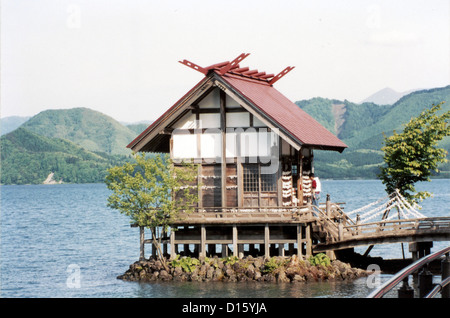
x,y
121,57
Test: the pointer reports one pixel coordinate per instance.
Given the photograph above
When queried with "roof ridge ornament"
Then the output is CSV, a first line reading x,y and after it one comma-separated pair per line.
x,y
233,68
233,63
281,74
194,66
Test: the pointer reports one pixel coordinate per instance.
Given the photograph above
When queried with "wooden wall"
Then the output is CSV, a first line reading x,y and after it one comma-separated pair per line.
x,y
211,188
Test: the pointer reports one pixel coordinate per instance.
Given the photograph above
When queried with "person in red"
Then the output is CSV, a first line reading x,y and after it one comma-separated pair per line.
x,y
313,188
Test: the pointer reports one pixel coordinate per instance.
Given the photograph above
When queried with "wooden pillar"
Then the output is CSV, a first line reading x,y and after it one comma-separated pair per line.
x,y
239,169
280,249
308,240
199,181
259,185
358,222
223,127
279,174
328,206
224,250
235,243
240,250
239,182
202,241
266,241
300,178
173,251
419,250
299,241
141,243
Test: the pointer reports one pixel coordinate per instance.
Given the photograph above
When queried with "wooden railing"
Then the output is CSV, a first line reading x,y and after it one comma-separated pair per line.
x,y
395,226
226,215
382,232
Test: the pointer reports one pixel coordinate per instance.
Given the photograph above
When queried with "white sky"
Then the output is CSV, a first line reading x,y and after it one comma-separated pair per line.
x,y
121,57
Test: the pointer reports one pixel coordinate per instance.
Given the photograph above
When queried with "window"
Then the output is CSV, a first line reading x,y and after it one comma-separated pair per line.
x,y
253,177
269,182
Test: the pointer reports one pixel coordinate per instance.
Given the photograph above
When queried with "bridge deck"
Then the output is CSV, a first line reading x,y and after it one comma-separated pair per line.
x,y
383,232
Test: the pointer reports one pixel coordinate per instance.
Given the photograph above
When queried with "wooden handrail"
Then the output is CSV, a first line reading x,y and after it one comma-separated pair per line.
x,y
368,229
419,220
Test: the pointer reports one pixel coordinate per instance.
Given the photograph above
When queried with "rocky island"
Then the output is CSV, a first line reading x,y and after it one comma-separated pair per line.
x,y
232,269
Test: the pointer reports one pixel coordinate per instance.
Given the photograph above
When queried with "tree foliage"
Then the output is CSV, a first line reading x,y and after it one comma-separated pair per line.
x,y
413,155
153,192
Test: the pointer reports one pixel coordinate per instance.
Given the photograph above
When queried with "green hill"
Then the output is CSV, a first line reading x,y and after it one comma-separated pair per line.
x,y
361,127
28,158
87,128
400,113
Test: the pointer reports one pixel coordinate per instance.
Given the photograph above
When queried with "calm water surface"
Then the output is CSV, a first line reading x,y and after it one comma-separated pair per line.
x,y
51,234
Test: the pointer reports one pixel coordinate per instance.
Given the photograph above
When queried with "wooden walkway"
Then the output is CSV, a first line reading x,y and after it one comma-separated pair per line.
x,y
384,232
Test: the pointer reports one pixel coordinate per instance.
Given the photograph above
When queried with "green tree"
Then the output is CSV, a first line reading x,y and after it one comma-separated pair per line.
x,y
153,192
413,155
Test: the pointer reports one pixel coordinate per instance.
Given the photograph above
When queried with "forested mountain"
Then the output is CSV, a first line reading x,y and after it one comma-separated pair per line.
x,y
361,127
87,128
76,145
28,158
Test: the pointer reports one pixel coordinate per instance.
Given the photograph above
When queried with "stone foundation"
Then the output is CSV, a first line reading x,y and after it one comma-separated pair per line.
x,y
231,269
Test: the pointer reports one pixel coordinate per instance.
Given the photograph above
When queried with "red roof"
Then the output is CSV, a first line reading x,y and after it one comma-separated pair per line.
x,y
285,113
256,88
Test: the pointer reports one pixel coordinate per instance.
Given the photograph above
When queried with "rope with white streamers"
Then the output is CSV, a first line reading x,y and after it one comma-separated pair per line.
x,y
396,200
408,206
368,205
383,209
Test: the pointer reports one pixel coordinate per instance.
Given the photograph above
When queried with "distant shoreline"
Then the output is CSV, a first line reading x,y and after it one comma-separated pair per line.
x,y
323,179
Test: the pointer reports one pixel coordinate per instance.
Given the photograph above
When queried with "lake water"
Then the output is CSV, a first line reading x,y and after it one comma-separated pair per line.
x,y
62,241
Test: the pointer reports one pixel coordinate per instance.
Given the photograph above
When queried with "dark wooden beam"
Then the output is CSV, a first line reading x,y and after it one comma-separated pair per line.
x,y
223,126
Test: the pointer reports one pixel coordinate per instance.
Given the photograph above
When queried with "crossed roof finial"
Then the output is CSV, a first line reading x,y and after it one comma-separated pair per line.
x,y
233,68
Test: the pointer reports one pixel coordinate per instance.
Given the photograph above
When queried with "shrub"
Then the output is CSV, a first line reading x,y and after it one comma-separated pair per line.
x,y
273,264
320,259
187,263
